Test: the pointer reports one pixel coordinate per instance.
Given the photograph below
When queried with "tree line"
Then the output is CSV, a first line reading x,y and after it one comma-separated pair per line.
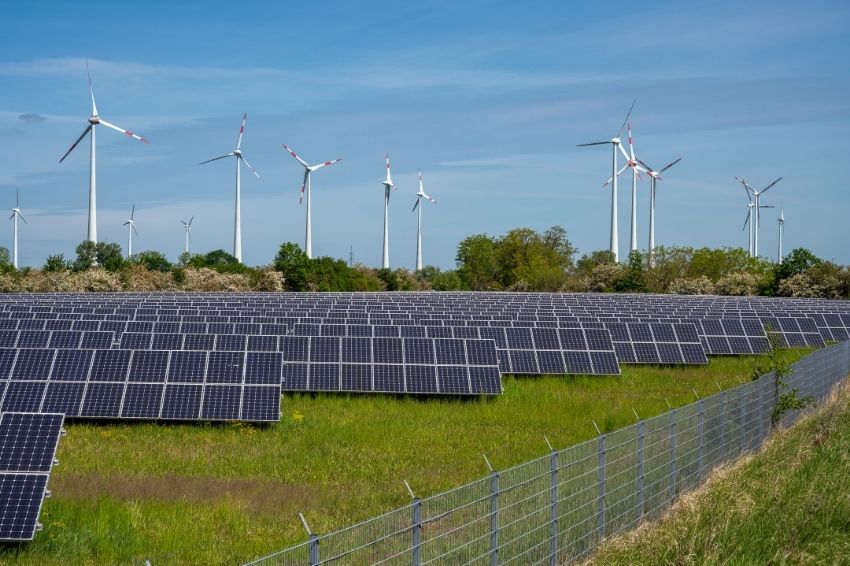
x,y
520,260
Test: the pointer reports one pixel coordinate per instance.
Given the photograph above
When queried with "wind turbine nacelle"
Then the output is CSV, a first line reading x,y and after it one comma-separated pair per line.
x,y
237,152
615,141
94,120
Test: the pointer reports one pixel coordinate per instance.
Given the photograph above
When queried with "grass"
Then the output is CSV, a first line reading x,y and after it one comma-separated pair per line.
x,y
789,504
210,494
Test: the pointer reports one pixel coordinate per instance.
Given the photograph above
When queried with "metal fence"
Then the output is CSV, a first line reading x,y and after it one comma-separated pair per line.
x,y
557,508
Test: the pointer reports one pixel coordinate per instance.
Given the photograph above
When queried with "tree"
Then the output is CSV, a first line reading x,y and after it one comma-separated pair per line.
x,y
5,257
294,265
446,281
588,262
55,263
533,261
632,279
476,263
219,260
86,256
152,260
798,261
104,254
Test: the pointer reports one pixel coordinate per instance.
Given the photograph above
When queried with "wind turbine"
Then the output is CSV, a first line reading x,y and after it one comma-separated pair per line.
x,y
94,121
420,194
781,221
756,210
388,186
750,206
237,215
615,144
16,213
188,227
305,186
131,227
632,162
654,177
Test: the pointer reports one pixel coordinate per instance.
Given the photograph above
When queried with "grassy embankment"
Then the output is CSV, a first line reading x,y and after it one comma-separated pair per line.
x,y
788,504
209,494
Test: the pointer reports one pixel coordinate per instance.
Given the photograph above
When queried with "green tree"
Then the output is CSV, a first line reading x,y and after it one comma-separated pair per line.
x,y
86,256
55,263
476,263
799,260
294,265
446,281
109,256
538,262
5,257
152,260
633,279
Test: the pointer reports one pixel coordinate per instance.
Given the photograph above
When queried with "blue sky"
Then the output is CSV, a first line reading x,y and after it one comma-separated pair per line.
x,y
488,99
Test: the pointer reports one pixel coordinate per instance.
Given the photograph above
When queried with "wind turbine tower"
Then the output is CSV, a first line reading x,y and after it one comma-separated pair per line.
x,y
94,121
420,194
237,214
188,227
305,187
781,221
756,211
388,186
615,145
131,227
654,177
16,213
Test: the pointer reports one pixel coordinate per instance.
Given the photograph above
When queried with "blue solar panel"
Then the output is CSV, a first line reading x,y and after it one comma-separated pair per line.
x,y
149,366
182,401
143,400
225,367
102,400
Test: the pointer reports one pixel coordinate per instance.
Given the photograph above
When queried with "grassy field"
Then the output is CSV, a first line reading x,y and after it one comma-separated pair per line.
x,y
210,494
789,504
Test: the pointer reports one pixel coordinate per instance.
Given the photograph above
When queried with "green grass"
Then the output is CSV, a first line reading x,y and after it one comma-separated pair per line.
x,y
209,494
789,504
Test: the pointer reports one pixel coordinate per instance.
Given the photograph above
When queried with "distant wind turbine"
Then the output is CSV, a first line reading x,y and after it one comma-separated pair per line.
x,y
237,215
781,221
420,194
305,186
756,210
388,186
130,223
615,145
654,177
16,213
632,162
188,227
94,121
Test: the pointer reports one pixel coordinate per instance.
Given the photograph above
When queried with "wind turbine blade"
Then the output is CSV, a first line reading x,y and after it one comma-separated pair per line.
x,y
22,217
254,171
325,164
123,131
766,206
133,226
190,220
91,91
133,212
648,168
629,113
13,215
669,165
241,130
79,139
620,172
216,158
747,221
415,204
623,151
631,145
17,197
594,143
746,186
303,185
770,185
295,155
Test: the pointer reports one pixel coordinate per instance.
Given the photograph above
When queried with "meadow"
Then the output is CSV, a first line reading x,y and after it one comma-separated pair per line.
x,y
124,492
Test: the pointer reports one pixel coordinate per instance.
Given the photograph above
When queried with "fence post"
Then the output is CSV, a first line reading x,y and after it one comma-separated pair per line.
x,y
553,499
672,414
313,541
600,478
416,529
494,514
639,489
722,426
700,427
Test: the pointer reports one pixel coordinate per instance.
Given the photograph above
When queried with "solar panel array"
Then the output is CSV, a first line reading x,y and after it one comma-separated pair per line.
x,y
451,366
28,444
657,343
144,384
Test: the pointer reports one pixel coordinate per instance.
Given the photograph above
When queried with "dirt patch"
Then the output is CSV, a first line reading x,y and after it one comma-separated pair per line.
x,y
268,498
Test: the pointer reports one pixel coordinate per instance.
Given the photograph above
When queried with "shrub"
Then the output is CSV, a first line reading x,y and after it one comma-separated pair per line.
x,y
701,285
737,284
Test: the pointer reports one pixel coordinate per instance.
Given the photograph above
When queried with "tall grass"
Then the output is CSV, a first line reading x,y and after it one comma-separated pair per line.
x,y
210,494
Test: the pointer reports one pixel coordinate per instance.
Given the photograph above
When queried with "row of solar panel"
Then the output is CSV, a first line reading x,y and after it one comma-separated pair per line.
x,y
146,401
27,454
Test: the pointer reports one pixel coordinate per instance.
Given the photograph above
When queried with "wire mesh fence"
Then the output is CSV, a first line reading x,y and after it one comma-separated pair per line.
x,y
556,509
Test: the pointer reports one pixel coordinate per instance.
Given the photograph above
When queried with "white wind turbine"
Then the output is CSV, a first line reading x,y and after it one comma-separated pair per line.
x,y
756,213
632,162
615,144
130,223
781,221
388,186
305,186
94,121
237,215
654,177
16,213
188,227
420,194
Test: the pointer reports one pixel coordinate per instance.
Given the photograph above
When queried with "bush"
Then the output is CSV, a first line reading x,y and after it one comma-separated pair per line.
x,y
701,285
603,276
56,263
737,284
152,261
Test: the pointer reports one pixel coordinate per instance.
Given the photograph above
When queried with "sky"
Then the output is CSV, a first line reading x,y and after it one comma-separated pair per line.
x,y
487,99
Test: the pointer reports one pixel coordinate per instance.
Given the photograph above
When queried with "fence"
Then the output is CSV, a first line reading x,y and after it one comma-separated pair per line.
x,y
556,509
